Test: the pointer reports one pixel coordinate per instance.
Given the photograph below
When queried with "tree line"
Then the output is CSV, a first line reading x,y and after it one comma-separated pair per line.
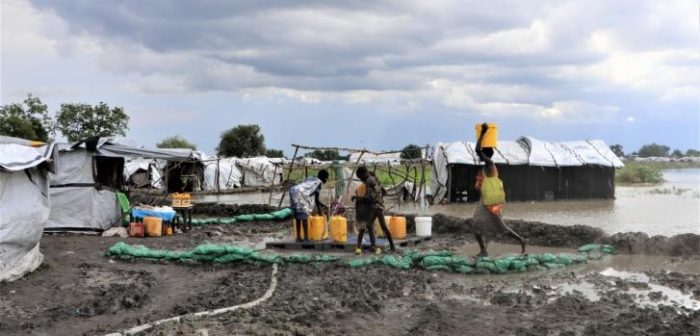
x,y
655,150
30,119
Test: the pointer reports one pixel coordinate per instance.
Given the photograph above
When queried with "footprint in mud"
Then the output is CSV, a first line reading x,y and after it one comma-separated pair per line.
x,y
109,291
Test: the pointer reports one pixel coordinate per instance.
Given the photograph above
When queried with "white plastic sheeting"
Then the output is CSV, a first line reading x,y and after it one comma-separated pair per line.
x,y
259,172
24,208
139,164
229,175
570,153
76,204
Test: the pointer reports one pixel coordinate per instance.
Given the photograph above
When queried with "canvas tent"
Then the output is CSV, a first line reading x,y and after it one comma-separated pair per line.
x,y
532,169
24,206
260,171
221,174
88,175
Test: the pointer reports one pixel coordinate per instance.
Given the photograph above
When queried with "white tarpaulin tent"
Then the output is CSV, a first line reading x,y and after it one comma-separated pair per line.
x,y
24,207
259,171
392,159
229,177
78,203
524,151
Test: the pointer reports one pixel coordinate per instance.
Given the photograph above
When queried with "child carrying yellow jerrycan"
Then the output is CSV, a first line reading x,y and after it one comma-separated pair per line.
x,y
487,215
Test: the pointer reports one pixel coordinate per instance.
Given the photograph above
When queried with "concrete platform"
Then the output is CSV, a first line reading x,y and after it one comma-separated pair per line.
x,y
349,246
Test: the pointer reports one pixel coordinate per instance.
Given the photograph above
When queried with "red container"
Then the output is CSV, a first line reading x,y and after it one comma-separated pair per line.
x,y
136,229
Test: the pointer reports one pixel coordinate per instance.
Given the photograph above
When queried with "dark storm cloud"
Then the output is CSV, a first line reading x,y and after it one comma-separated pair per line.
x,y
541,52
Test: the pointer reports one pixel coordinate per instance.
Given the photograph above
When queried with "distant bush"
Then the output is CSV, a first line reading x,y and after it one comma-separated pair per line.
x,y
635,172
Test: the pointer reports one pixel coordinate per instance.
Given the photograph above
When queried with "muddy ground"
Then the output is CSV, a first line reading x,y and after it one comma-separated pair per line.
x,y
80,291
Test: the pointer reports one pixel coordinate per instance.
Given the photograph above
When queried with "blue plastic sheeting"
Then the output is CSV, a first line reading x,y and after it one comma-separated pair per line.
x,y
166,215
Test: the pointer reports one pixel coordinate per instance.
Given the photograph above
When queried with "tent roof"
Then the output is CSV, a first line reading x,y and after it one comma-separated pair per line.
x,y
107,147
535,152
15,157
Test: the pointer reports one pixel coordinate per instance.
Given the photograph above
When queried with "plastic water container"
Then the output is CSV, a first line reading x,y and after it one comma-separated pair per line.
x,y
397,227
378,228
490,138
317,228
153,226
339,229
424,226
136,229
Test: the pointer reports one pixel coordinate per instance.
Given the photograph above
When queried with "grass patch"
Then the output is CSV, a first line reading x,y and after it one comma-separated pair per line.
x,y
666,165
640,173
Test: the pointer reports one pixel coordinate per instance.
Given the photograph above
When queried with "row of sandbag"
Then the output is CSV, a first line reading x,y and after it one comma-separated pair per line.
x,y
432,261
218,253
272,216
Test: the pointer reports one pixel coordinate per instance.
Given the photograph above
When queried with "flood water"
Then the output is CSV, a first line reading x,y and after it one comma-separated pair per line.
x,y
670,208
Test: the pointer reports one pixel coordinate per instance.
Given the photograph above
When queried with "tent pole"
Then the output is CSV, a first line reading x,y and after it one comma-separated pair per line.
x,y
289,174
272,185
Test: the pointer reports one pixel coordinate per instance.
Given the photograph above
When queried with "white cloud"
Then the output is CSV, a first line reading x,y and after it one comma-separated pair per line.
x,y
550,60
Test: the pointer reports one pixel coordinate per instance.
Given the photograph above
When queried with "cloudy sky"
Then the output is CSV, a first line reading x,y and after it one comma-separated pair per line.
x,y
376,74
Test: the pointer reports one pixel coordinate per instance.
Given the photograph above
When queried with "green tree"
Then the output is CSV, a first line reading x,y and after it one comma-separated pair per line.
x,y
82,121
274,153
692,152
617,149
29,120
324,155
677,153
654,150
411,152
242,141
176,142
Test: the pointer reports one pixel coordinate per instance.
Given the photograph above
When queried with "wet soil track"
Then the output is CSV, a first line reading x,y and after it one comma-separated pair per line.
x,y
80,291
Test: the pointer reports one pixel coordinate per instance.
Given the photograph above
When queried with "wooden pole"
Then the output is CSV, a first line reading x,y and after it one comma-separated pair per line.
x,y
289,174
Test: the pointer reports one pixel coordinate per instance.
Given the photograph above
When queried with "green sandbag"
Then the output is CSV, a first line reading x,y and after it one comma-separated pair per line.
x,y
244,251
264,217
563,259
608,249
208,249
230,258
325,258
589,248
434,260
498,266
545,258
361,262
402,263
245,218
553,265
265,258
282,214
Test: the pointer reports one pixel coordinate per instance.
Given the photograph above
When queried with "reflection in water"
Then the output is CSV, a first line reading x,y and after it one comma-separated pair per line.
x,y
667,209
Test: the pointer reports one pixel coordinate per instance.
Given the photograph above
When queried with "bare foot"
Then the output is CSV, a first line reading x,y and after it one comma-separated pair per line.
x,y
523,245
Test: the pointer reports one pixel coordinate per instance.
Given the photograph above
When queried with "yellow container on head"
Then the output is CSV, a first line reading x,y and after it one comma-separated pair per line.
x,y
490,138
